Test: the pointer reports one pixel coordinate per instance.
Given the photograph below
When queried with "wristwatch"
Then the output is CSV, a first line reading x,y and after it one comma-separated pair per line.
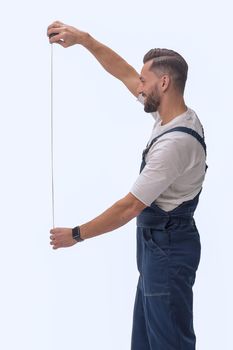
x,y
76,234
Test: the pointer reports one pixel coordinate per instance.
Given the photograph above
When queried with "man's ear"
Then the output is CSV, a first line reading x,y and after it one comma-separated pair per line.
x,y
165,82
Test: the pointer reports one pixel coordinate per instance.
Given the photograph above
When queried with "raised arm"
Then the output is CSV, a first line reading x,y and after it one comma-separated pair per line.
x,y
110,60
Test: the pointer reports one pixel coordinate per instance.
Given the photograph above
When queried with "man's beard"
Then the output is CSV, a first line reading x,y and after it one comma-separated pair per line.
x,y
152,102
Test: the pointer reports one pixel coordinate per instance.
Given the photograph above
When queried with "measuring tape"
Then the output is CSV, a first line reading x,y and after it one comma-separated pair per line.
x,y
52,138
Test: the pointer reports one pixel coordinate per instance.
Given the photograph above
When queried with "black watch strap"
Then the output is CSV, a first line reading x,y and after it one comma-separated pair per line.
x,y
76,234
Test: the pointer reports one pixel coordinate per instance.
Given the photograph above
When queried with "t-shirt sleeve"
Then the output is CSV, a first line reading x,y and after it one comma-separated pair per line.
x,y
167,160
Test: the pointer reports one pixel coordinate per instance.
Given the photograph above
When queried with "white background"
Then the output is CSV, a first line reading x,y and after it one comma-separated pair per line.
x,y
82,297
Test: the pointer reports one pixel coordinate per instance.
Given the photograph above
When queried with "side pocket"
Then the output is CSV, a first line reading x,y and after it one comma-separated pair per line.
x,y
157,241
155,266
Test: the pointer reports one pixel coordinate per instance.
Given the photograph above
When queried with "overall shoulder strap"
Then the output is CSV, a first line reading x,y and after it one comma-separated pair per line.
x,y
182,129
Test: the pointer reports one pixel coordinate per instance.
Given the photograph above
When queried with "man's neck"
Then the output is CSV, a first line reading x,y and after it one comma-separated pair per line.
x,y
171,109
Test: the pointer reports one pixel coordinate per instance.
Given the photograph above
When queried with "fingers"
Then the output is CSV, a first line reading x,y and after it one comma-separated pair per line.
x,y
56,34
53,241
55,28
54,245
64,35
61,237
58,39
53,230
56,24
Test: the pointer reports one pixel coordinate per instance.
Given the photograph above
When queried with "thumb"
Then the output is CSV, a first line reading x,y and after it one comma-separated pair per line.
x,y
62,43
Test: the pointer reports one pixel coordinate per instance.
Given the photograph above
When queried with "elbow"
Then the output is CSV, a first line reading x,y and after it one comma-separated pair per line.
x,y
132,205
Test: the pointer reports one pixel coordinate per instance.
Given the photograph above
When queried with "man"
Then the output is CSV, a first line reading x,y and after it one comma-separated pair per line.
x,y
163,198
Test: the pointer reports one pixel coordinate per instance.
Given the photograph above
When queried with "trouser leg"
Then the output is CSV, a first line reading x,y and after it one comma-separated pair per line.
x,y
168,275
157,292
139,338
181,303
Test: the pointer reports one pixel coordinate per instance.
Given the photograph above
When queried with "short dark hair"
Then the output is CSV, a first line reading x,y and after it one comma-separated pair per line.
x,y
170,62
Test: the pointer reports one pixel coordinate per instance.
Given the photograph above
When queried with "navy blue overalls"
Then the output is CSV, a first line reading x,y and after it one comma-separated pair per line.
x,y
168,255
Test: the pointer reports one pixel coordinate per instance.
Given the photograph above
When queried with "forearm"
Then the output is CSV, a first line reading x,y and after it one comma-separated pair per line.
x,y
114,217
110,60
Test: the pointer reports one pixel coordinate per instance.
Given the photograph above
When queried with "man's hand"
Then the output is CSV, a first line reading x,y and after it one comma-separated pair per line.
x,y
62,238
66,35
113,63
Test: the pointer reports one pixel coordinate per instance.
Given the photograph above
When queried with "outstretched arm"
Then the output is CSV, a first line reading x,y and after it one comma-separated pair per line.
x,y
114,217
113,63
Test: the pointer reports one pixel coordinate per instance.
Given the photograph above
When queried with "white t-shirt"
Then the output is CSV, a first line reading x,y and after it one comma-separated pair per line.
x,y
175,164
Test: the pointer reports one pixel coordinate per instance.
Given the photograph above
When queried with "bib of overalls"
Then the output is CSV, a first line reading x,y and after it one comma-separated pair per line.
x,y
149,216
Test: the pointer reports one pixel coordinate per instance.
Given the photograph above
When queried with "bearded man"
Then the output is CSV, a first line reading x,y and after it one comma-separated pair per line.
x,y
163,198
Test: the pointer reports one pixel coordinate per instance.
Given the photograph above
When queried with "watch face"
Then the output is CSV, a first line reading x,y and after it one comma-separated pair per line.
x,y
76,234
77,238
